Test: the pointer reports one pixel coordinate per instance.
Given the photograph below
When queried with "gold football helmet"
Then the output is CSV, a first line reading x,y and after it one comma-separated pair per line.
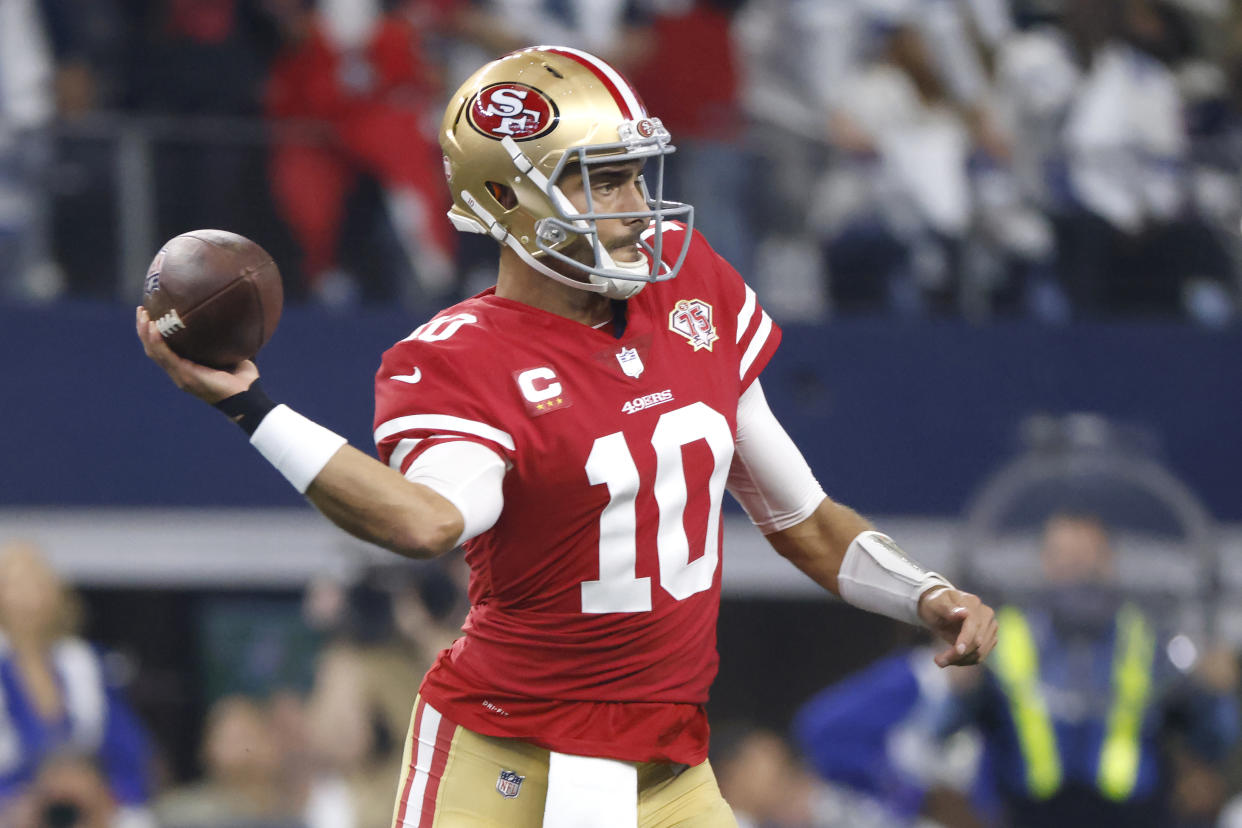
x,y
519,124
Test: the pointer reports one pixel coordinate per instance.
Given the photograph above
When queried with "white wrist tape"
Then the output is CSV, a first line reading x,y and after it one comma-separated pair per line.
x,y
878,577
299,448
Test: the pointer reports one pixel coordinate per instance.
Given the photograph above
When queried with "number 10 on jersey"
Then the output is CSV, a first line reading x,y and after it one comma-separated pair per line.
x,y
611,464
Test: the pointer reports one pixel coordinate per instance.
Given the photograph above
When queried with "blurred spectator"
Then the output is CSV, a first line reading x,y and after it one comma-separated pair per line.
x,y
243,783
898,205
870,733
349,93
1101,144
864,134
793,57
919,212
869,154
195,72
81,181
614,30
28,86
290,732
200,57
766,787
702,110
754,768
1080,700
69,792
389,629
56,695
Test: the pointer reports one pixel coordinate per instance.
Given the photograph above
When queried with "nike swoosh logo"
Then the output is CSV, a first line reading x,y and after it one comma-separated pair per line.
x,y
409,378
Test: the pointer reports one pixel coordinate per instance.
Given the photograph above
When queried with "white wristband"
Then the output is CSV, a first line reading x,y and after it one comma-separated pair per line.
x,y
299,448
878,577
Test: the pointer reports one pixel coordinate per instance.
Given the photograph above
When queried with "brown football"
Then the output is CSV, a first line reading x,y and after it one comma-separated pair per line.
x,y
214,295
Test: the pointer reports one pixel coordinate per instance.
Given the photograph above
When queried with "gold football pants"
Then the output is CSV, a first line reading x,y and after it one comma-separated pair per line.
x,y
455,777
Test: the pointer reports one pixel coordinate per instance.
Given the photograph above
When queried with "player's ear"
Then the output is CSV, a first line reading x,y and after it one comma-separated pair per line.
x,y
503,194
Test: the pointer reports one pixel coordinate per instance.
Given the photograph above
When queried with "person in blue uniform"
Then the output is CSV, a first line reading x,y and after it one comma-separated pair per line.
x,y
1076,706
56,697
871,732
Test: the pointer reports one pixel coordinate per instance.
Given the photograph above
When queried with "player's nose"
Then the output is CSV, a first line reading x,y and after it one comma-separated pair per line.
x,y
633,199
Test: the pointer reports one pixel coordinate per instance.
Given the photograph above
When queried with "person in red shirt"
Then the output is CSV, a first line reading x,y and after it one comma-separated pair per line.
x,y
712,168
575,428
351,94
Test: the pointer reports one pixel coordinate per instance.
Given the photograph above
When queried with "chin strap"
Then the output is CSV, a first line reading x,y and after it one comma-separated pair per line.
x,y
621,288
608,287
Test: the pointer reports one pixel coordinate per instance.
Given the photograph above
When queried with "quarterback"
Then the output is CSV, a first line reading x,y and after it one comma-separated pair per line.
x,y
575,428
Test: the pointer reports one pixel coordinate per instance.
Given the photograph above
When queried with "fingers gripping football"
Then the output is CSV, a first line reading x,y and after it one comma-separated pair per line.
x,y
963,621
208,384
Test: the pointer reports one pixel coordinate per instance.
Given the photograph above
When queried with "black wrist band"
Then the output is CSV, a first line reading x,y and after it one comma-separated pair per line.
x,y
248,408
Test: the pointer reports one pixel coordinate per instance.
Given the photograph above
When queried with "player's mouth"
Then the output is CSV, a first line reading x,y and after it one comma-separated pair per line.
x,y
626,250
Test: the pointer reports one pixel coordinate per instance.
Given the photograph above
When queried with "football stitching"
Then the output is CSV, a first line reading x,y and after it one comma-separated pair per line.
x,y
252,280
185,318
243,273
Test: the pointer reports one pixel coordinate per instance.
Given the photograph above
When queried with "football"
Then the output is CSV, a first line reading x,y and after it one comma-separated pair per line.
x,y
214,295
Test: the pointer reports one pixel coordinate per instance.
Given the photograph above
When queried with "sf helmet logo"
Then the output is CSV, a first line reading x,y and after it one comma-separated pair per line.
x,y
512,110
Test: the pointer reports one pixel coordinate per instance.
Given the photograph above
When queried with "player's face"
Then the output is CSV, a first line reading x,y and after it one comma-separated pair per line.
x,y
1076,551
615,188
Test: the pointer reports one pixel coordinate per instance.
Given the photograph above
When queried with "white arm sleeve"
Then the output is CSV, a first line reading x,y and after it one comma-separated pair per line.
x,y
769,476
775,486
469,476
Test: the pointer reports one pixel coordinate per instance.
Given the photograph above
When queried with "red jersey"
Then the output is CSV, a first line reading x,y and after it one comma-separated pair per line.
x,y
594,597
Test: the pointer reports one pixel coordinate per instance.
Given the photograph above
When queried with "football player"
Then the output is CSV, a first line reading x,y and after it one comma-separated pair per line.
x,y
575,429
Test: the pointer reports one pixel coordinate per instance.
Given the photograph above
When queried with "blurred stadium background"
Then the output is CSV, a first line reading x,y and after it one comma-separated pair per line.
x,y
1001,237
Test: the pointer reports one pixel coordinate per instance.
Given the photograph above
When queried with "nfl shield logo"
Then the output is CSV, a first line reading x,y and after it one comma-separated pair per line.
x,y
152,282
509,784
631,362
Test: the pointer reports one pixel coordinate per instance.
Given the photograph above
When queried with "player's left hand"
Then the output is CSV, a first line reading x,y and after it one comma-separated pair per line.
x,y
961,619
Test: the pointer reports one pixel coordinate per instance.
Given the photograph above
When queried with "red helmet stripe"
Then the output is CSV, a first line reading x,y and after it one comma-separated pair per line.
x,y
625,96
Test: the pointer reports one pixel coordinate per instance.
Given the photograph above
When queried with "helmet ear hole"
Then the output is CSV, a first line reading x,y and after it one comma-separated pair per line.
x,y
503,194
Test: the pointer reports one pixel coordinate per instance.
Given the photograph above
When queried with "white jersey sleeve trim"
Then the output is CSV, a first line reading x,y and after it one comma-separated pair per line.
x,y
665,227
402,450
769,476
748,310
468,475
444,422
756,344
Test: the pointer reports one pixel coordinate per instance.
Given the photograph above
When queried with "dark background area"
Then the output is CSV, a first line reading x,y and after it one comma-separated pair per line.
x,y
774,654
895,418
